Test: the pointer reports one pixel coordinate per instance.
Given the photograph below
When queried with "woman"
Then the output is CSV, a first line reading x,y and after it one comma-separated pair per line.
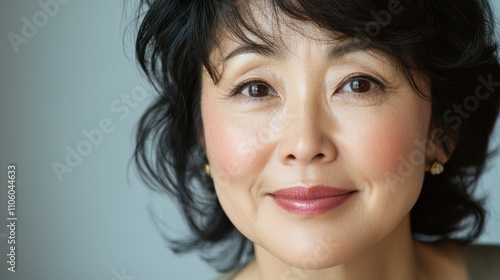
x,y
332,139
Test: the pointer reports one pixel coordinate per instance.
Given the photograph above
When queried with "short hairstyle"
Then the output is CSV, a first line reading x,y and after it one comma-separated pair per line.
x,y
450,42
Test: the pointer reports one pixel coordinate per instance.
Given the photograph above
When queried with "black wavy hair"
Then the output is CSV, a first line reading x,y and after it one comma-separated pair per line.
x,y
450,42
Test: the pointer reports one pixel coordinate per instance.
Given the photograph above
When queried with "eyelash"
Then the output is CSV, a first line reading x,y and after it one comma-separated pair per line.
x,y
378,84
236,92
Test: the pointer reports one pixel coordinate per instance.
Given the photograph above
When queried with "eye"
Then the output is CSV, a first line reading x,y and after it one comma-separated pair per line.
x,y
255,89
359,84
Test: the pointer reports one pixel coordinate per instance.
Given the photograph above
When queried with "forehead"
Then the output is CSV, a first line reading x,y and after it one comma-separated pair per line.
x,y
269,31
263,28
260,21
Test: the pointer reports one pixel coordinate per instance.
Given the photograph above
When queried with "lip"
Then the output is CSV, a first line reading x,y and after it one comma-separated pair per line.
x,y
310,201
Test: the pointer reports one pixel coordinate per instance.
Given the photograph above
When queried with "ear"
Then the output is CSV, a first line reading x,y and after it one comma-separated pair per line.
x,y
201,140
440,146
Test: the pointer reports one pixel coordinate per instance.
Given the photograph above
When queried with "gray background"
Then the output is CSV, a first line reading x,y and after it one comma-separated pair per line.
x,y
73,74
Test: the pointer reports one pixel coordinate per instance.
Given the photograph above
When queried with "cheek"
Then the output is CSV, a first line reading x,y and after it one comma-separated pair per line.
x,y
232,148
388,151
224,145
239,145
392,146
238,149
390,140
223,139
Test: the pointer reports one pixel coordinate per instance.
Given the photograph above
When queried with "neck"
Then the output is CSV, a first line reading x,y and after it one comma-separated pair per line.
x,y
394,257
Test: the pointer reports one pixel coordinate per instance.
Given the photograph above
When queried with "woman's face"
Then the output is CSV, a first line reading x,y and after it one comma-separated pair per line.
x,y
313,142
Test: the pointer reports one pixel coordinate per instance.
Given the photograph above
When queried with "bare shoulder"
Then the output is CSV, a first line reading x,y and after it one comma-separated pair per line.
x,y
452,260
482,261
248,272
441,260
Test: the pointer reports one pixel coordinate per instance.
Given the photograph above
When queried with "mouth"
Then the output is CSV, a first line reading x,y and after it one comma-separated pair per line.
x,y
311,201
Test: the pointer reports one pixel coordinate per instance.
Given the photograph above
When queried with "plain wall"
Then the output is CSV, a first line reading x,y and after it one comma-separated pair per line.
x,y
73,76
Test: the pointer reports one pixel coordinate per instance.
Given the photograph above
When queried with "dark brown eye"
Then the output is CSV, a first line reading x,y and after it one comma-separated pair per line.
x,y
359,85
256,90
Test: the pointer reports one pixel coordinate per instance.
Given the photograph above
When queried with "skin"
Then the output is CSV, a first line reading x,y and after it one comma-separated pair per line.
x,y
310,125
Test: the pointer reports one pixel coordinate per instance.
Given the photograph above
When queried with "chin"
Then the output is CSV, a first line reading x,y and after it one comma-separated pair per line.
x,y
319,256
313,262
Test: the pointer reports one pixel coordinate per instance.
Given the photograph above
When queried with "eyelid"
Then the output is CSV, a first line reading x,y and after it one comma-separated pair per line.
x,y
237,89
241,86
353,77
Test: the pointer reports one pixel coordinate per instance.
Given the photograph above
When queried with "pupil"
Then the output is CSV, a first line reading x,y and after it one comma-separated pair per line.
x,y
258,90
361,86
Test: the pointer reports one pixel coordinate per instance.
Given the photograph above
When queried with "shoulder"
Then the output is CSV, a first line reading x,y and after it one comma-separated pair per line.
x,y
228,275
482,261
244,272
448,259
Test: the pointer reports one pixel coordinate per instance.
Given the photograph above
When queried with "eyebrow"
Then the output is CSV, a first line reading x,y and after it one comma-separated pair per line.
x,y
256,48
335,52
344,49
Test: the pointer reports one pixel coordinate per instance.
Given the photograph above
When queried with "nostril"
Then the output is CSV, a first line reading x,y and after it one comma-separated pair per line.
x,y
319,156
304,149
291,157
316,157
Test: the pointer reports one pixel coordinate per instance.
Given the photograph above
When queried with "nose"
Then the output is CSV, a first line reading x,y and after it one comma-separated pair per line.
x,y
307,135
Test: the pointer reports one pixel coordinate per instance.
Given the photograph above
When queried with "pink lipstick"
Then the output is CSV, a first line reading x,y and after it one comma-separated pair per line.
x,y
310,201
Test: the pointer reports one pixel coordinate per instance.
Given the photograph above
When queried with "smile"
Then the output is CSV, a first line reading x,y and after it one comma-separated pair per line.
x,y
311,201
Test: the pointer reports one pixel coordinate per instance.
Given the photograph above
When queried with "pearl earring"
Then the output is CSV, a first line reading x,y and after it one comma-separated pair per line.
x,y
208,171
437,168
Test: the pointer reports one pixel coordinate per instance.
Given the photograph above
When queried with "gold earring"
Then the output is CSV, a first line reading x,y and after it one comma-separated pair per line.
x,y
437,168
208,170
